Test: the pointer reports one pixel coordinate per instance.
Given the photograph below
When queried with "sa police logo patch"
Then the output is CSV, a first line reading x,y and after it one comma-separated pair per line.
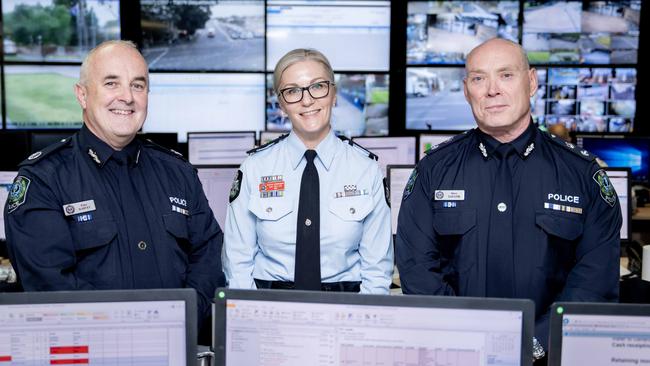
x,y
410,184
236,186
607,191
17,193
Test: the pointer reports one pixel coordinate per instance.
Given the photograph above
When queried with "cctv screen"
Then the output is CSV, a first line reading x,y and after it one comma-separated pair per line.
x,y
219,148
94,333
364,26
345,334
390,150
184,103
216,182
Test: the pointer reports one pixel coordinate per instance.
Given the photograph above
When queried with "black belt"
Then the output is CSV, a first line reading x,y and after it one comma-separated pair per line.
x,y
343,286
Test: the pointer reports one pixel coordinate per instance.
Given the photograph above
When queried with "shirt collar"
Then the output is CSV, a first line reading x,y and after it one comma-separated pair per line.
x,y
100,152
325,149
524,144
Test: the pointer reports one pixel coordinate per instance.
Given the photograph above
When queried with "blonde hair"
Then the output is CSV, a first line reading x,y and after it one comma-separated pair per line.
x,y
297,55
85,65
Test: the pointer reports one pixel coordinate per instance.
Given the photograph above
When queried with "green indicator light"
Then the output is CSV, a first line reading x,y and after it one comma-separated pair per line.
x,y
560,310
222,294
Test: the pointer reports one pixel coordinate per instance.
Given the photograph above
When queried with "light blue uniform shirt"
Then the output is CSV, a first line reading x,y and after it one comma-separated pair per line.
x,y
355,233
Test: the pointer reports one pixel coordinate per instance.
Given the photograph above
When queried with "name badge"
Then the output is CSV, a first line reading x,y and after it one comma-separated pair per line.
x,y
79,207
449,195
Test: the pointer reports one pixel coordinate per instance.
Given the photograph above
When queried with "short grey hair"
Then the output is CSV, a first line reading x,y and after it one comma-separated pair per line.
x,y
297,55
85,65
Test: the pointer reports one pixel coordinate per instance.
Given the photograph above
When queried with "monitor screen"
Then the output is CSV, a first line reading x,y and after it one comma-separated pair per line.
x,y
398,176
435,99
14,148
618,152
216,182
187,102
581,32
203,35
354,329
599,334
6,180
390,150
137,327
620,178
428,141
209,148
322,24
42,139
586,99
41,96
443,32
361,106
57,31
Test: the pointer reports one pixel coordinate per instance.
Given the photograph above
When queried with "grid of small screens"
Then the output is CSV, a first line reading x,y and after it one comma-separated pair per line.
x,y
37,37
599,334
398,176
216,181
621,152
389,150
209,148
353,329
620,178
558,36
6,180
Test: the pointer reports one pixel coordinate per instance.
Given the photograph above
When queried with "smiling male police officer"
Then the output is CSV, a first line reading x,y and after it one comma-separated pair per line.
x,y
506,210
104,210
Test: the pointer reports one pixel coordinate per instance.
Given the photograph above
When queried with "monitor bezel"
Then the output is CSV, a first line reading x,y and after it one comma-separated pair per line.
x,y
584,308
389,169
629,198
526,306
188,295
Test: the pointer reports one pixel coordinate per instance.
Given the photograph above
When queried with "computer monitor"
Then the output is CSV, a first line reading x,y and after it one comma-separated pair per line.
x,y
14,148
210,148
398,176
314,328
620,178
39,140
187,102
6,180
216,181
599,334
364,25
621,152
390,150
427,141
134,327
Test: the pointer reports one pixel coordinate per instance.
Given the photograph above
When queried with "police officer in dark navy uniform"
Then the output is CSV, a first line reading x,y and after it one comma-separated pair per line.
x,y
506,210
104,210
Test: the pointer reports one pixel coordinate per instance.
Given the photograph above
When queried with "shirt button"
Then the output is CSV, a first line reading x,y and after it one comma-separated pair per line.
x,y
307,222
142,245
269,209
502,207
352,210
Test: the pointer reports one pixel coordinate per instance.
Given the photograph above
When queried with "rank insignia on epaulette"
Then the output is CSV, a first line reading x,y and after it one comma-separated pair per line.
x,y
272,186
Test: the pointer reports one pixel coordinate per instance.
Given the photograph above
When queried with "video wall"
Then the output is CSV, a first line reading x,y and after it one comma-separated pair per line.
x,y
211,61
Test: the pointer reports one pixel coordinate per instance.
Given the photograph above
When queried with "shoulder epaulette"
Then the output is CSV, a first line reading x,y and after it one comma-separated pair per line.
x,y
449,141
39,155
155,146
571,147
267,145
365,151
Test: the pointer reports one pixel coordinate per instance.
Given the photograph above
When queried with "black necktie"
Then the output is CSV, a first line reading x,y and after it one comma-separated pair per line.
x,y
500,264
307,275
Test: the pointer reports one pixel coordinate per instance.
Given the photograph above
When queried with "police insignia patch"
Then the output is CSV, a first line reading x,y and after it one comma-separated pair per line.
x,y
607,191
236,186
410,184
17,193
386,193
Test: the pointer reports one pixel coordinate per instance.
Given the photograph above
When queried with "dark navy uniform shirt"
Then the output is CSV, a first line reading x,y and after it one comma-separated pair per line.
x,y
83,216
565,224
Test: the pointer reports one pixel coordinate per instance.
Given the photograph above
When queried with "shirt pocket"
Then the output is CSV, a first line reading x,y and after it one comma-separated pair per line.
x,y
557,250
560,226
270,209
456,245
354,208
96,260
176,226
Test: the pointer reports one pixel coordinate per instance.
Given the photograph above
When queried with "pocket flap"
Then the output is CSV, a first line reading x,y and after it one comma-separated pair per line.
x,y
176,224
354,208
560,226
272,209
93,234
454,222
